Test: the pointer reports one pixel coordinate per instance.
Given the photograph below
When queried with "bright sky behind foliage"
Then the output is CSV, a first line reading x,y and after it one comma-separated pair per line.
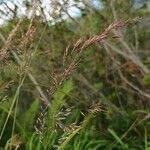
x,y
72,10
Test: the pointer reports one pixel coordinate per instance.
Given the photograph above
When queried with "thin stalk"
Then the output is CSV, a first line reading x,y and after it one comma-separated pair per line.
x,y
12,105
31,77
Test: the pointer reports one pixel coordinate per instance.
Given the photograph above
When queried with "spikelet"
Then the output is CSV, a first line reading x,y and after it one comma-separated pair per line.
x,y
40,122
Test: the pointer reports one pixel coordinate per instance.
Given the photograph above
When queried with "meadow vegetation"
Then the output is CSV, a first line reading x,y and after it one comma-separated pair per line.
x,y
81,83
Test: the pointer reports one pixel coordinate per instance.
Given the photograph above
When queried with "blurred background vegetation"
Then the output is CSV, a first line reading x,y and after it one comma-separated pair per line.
x,y
53,96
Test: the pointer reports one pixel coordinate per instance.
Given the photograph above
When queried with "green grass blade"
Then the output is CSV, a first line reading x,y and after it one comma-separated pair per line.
x,y
62,146
112,132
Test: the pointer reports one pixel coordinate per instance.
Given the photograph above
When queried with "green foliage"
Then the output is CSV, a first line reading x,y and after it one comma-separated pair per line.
x,y
146,80
110,74
27,119
112,132
59,100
